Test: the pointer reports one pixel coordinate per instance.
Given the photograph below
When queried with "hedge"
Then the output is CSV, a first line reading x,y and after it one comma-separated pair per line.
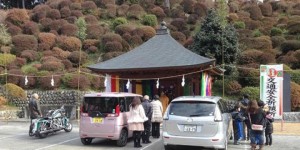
x,y
14,91
253,92
149,20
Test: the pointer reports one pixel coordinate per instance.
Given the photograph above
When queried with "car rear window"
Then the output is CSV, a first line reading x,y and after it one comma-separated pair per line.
x,y
100,104
192,108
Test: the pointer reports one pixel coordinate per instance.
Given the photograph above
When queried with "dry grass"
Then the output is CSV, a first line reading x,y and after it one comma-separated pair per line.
x,y
287,128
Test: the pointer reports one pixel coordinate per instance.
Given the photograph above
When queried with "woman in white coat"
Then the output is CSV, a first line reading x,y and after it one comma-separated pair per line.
x,y
156,116
136,120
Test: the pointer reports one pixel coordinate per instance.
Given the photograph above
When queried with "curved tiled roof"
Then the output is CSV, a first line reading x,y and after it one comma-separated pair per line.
x,y
161,51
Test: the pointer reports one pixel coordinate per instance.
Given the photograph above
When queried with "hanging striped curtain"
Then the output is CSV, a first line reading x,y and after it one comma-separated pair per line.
x,y
108,85
206,84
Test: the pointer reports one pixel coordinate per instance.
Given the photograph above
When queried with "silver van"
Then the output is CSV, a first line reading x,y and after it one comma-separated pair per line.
x,y
197,121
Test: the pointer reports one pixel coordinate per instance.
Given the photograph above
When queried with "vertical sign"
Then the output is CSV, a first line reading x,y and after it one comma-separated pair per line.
x,y
271,88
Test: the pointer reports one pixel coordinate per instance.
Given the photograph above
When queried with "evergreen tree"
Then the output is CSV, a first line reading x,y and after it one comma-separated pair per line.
x,y
213,41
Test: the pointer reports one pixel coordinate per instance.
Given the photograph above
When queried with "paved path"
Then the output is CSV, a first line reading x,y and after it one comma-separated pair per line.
x,y
14,136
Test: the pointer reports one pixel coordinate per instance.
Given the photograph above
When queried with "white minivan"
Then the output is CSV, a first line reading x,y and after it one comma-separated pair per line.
x,y
104,115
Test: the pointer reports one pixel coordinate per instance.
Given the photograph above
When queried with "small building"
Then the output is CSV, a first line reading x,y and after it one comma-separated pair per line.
x,y
159,65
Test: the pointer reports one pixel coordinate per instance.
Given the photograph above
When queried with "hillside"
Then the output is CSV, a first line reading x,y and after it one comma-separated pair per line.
x,y
44,42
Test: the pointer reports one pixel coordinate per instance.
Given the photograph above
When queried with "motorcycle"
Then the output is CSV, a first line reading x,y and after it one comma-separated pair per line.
x,y
54,121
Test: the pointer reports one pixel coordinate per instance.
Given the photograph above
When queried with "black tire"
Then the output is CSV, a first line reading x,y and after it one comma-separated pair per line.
x,y
86,141
38,132
168,147
68,127
122,141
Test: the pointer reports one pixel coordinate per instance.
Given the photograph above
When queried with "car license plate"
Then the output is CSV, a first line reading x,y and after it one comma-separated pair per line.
x,y
190,128
97,120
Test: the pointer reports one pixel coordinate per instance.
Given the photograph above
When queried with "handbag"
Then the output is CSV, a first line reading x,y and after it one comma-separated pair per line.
x,y
255,127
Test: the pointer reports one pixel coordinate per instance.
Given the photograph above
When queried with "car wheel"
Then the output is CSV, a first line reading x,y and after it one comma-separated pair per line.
x,y
122,141
168,147
86,141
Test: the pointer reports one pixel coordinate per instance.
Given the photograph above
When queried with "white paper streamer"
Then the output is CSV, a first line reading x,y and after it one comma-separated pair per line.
x,y
26,80
157,83
52,81
183,81
128,84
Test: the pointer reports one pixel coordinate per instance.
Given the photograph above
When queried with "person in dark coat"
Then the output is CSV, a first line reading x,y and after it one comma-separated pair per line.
x,y
246,125
269,128
147,124
34,107
237,124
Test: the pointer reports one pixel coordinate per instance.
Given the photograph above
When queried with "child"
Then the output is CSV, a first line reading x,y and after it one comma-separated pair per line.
x,y
237,119
269,128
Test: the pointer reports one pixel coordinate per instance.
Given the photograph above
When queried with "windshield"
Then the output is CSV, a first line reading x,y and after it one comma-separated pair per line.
x,y
192,108
100,104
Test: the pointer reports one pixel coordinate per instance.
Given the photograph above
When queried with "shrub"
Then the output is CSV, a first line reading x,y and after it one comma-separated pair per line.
x,y
5,38
124,28
295,94
24,42
77,57
261,43
188,6
29,55
109,37
239,25
97,83
233,87
40,12
20,61
48,58
67,64
135,11
14,30
113,46
90,42
76,13
69,43
69,30
149,20
293,27
111,10
192,19
91,19
31,27
276,31
54,14
47,38
88,7
122,10
14,91
75,6
29,69
179,23
3,100
145,32
277,41
84,82
253,92
64,4
135,40
179,36
94,31
257,33
17,16
59,53
57,24
290,45
65,12
266,9
249,56
158,12
6,59
52,66
45,24
252,24
255,12
119,21
14,76
45,82
200,9
287,59
71,19
111,55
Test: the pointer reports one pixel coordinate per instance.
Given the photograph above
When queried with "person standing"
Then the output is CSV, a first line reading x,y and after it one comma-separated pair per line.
x,y
237,124
147,124
156,116
269,128
246,125
257,117
34,109
136,120
164,101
